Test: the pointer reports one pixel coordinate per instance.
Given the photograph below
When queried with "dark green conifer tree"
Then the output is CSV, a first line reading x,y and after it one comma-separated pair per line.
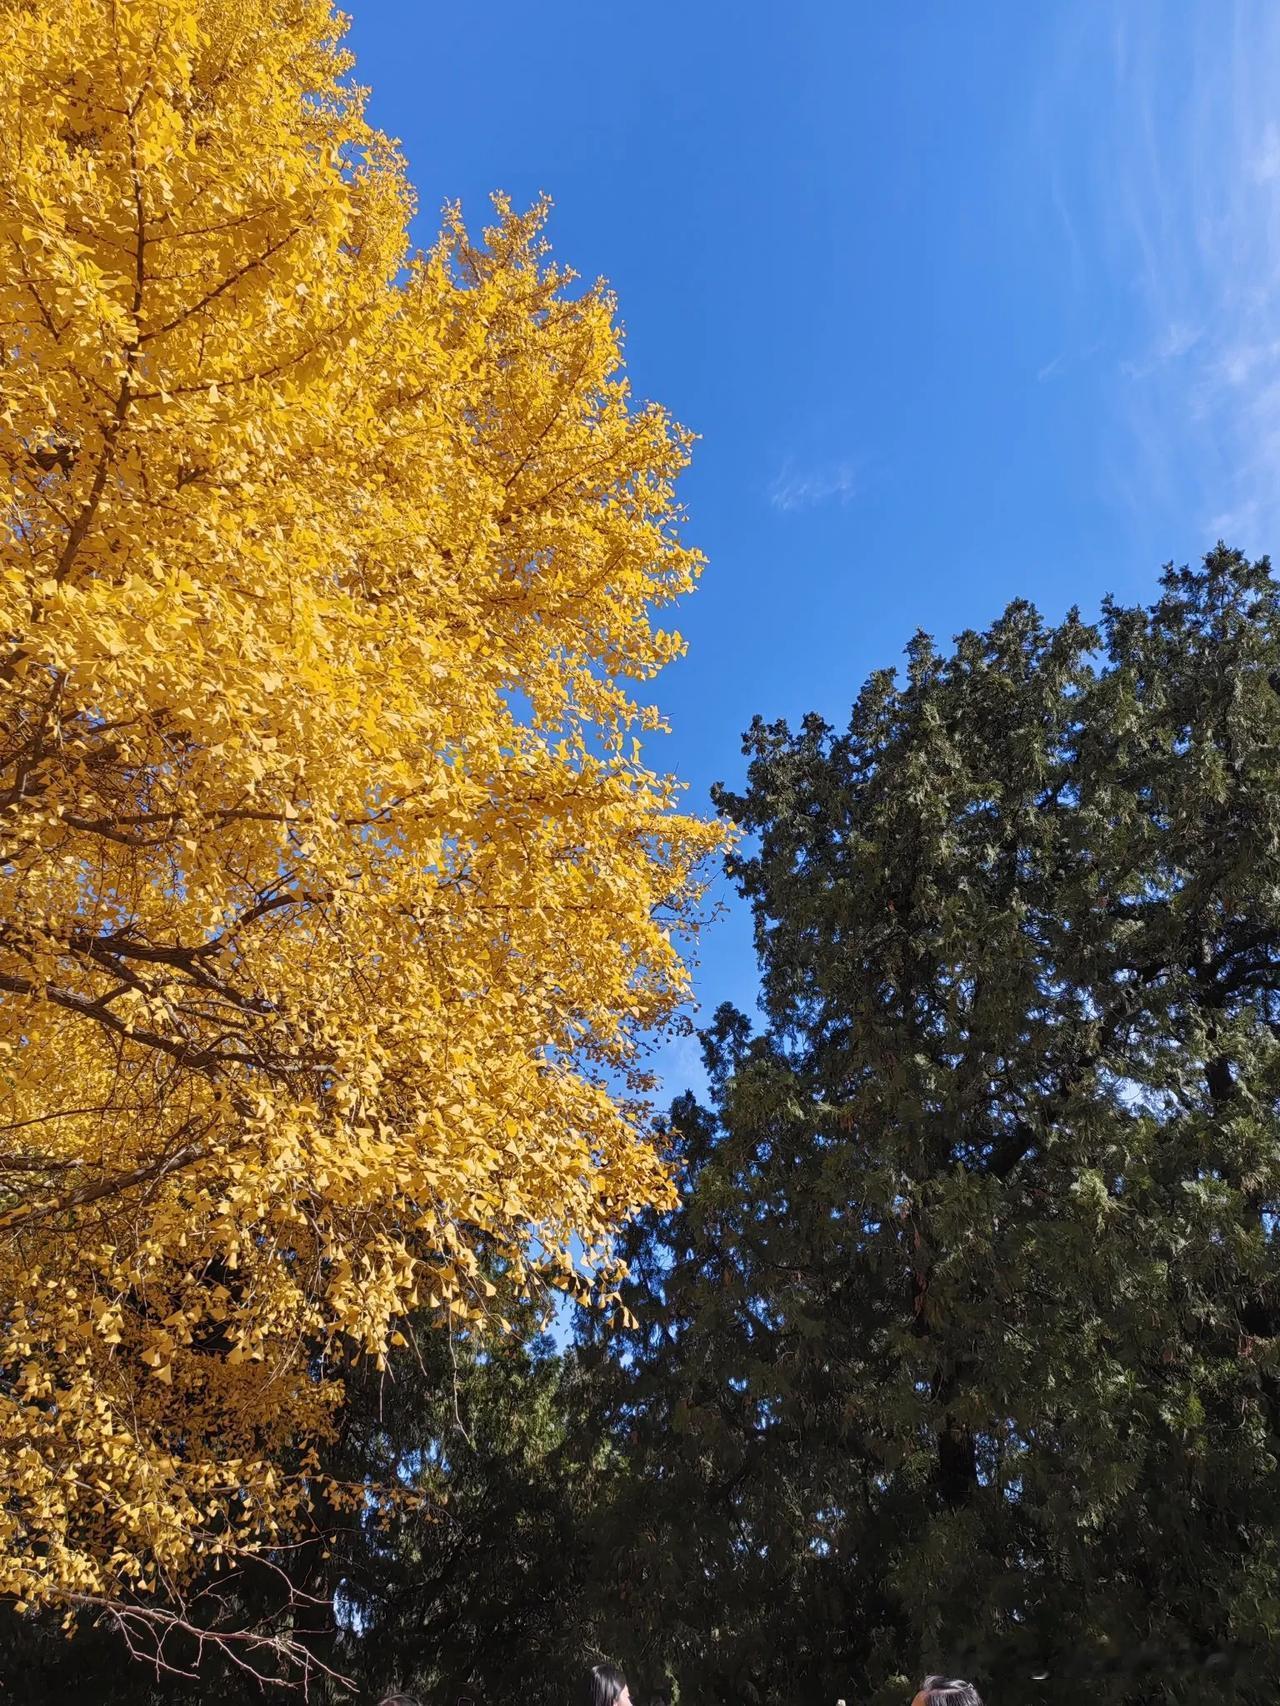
x,y
963,1349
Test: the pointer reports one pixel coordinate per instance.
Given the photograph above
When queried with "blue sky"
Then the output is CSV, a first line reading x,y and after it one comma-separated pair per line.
x,y
966,301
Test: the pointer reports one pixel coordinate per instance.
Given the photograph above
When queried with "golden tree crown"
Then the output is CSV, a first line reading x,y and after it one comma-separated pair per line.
x,y
336,893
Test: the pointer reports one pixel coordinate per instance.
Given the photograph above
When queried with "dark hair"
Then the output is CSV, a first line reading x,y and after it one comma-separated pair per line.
x,y
602,1686
398,1698
949,1691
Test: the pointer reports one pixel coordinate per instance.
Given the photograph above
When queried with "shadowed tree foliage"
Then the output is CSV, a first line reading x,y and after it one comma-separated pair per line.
x,y
473,1588
961,1349
479,1591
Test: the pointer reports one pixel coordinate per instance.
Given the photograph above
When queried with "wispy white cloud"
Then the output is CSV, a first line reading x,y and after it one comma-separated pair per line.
x,y
679,1067
795,488
1066,359
1266,162
1172,342
1243,364
1171,199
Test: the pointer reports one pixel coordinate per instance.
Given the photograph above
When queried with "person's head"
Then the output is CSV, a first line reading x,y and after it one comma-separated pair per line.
x,y
605,1685
947,1691
398,1698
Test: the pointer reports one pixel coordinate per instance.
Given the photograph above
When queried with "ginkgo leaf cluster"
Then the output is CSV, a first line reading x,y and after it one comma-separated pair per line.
x,y
335,891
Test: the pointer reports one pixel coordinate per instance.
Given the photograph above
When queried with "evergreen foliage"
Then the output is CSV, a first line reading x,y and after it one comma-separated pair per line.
x,y
961,1349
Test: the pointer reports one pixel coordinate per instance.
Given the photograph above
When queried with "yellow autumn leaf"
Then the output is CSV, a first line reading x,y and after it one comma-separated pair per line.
x,y
329,593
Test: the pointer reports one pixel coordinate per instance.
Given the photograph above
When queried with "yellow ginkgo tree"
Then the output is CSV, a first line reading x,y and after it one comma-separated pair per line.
x,y
335,894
